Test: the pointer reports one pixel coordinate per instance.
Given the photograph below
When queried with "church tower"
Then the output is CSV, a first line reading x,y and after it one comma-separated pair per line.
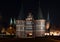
x,y
10,30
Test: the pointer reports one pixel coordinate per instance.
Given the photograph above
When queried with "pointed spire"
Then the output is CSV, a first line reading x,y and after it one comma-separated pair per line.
x,y
21,12
40,16
14,21
48,17
11,22
40,13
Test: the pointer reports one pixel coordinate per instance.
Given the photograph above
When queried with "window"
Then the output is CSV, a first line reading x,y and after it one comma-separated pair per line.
x,y
28,28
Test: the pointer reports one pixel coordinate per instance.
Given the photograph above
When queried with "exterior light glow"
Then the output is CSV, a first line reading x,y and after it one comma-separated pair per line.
x,y
30,33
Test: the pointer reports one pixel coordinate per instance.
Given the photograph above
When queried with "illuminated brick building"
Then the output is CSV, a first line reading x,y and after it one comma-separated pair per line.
x,y
30,27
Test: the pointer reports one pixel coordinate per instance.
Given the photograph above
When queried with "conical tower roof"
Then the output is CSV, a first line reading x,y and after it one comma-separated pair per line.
x,y
40,16
14,21
11,21
48,19
20,16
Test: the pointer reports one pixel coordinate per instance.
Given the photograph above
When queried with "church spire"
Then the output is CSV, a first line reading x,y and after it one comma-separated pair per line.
x,y
40,16
48,17
14,21
11,22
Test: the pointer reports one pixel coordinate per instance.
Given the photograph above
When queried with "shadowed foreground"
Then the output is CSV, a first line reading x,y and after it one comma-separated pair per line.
x,y
37,39
27,40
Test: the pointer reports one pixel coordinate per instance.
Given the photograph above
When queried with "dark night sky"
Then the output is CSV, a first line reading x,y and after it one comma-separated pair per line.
x,y
11,8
